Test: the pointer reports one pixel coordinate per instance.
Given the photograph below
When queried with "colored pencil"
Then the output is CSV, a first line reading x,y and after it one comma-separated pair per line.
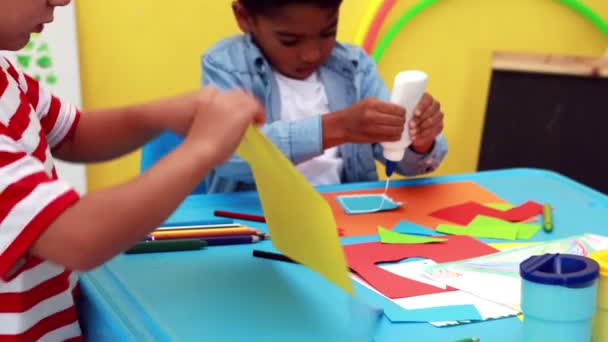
x,y
206,226
242,229
232,240
240,216
166,246
472,339
251,217
547,218
203,233
276,256
272,256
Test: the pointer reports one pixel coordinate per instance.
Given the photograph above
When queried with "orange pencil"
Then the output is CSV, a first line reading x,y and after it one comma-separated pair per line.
x,y
202,233
219,230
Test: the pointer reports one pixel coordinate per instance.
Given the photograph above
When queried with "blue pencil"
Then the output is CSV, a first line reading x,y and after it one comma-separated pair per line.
x,y
231,240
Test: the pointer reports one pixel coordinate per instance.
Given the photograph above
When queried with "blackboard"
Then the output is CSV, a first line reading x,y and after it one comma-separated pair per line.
x,y
548,120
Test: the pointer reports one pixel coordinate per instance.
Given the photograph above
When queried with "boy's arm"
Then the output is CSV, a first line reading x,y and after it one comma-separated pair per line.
x,y
105,134
107,222
299,141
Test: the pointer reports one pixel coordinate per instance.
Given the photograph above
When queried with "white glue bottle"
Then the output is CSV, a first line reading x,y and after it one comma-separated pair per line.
x,y
407,91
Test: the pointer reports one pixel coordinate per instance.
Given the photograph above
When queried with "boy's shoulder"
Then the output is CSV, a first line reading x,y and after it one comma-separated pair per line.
x,y
349,59
353,53
232,43
233,53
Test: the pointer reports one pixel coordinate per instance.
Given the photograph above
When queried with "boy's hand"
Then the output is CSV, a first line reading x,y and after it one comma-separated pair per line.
x,y
426,124
220,120
372,121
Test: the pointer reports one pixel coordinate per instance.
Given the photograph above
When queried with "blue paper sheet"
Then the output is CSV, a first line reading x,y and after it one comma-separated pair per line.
x,y
365,204
397,314
414,229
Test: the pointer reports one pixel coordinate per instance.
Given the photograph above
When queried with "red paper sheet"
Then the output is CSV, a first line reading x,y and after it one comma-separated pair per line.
x,y
419,202
463,214
362,258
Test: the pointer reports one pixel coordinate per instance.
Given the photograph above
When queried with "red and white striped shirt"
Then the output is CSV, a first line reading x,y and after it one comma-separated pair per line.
x,y
36,296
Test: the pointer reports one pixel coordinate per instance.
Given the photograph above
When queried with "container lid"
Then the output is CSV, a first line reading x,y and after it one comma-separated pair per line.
x,y
560,269
602,259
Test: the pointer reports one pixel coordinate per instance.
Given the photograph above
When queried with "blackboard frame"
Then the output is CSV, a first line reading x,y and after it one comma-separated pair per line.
x,y
549,112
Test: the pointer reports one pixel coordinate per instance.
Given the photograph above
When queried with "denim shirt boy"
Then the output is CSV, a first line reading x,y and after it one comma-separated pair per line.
x,y
348,75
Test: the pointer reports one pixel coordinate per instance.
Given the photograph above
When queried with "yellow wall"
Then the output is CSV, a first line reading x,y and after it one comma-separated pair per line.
x,y
133,51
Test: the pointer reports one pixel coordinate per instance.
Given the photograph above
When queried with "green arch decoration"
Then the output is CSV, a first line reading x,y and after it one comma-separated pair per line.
x,y
422,5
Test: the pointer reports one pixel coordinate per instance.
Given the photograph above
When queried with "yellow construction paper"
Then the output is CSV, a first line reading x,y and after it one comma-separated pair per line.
x,y
300,221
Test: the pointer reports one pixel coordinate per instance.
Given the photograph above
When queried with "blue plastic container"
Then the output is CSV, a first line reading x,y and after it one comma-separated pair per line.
x,y
558,297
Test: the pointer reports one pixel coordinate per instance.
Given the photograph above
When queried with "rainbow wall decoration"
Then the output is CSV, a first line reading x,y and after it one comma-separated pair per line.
x,y
378,10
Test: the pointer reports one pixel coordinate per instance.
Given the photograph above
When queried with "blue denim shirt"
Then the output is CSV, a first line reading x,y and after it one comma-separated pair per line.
x,y
349,75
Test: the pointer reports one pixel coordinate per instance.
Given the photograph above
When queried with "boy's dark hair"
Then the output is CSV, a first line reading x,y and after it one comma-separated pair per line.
x,y
265,7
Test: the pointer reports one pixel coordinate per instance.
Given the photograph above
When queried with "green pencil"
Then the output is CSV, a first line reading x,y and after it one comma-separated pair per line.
x,y
166,246
472,339
547,218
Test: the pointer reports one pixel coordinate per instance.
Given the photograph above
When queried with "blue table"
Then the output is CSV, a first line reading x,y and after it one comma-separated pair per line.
x,y
225,294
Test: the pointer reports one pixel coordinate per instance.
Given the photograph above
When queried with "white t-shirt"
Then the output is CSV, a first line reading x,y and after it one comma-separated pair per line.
x,y
300,99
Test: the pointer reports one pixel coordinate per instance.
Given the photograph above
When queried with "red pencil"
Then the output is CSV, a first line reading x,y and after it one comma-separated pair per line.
x,y
241,216
251,217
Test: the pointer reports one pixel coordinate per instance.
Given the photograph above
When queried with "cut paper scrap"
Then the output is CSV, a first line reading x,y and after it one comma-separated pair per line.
x,y
487,309
499,206
367,204
388,236
526,231
505,207
294,209
496,277
489,227
441,313
364,257
397,314
480,232
464,213
440,301
414,229
421,200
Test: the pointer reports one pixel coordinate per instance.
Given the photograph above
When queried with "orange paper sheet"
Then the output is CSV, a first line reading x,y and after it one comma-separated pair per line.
x,y
421,201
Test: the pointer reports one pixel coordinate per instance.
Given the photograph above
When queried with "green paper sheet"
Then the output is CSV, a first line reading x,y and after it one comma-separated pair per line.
x,y
524,231
490,227
527,231
389,236
480,232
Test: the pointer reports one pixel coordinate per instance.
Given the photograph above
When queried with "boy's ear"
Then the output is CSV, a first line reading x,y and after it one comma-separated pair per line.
x,y
243,19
